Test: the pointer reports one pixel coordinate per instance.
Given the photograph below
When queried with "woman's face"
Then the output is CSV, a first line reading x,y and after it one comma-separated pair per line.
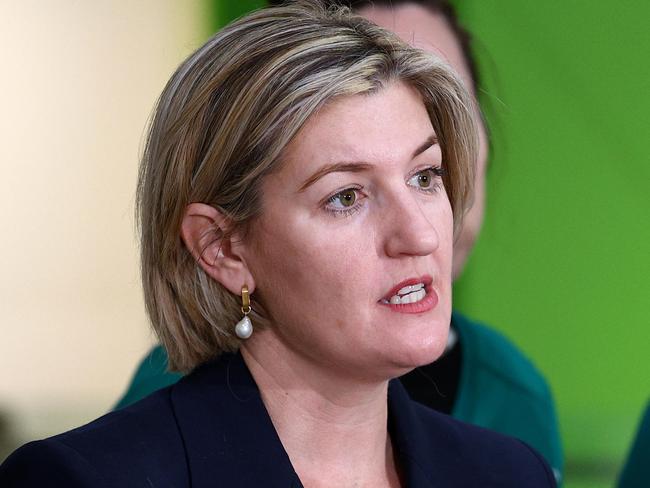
x,y
351,255
429,31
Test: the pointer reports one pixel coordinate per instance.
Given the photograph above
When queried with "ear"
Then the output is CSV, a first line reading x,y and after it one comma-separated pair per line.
x,y
203,231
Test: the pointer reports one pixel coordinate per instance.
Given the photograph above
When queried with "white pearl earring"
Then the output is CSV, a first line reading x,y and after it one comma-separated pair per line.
x,y
244,327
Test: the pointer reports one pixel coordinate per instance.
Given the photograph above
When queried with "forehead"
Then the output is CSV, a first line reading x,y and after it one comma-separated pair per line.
x,y
384,125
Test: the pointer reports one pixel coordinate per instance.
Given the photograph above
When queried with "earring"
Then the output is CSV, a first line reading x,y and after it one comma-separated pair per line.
x,y
244,327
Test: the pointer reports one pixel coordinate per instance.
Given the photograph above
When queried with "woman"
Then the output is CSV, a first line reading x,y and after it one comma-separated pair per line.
x,y
482,378
302,180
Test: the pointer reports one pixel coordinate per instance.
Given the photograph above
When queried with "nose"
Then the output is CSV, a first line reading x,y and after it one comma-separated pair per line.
x,y
409,228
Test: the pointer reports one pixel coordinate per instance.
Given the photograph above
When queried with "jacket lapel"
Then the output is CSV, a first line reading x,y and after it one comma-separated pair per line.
x,y
415,450
230,440
229,437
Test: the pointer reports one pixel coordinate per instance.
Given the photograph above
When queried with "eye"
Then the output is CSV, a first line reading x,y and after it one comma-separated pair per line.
x,y
428,180
344,202
345,198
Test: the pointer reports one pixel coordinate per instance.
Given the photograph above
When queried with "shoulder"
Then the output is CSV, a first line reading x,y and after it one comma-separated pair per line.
x,y
434,447
477,456
502,390
58,465
499,358
136,446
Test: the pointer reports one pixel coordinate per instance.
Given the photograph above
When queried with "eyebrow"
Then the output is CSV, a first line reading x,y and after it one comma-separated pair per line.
x,y
430,142
357,167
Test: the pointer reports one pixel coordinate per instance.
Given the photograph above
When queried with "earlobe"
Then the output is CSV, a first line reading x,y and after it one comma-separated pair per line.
x,y
204,232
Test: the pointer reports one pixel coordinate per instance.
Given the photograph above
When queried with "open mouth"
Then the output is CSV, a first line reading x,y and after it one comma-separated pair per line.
x,y
412,290
414,295
407,294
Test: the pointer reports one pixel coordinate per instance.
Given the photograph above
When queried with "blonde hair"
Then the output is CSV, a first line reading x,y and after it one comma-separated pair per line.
x,y
222,123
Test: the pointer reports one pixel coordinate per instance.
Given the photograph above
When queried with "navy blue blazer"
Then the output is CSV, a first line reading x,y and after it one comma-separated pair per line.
x,y
211,429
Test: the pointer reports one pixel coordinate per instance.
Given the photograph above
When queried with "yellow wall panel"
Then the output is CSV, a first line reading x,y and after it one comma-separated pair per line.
x,y
79,80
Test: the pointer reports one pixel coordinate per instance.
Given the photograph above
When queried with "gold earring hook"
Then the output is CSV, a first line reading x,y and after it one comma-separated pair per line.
x,y
245,300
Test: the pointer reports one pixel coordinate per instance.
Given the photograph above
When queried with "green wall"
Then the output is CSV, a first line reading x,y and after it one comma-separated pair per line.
x,y
563,264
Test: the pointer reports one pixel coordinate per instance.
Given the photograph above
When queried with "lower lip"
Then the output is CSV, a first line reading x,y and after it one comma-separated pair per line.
x,y
424,305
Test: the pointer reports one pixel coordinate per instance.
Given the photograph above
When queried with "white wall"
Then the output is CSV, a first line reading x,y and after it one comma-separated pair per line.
x,y
78,80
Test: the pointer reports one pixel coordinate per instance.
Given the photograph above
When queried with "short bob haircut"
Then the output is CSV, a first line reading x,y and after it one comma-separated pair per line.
x,y
221,125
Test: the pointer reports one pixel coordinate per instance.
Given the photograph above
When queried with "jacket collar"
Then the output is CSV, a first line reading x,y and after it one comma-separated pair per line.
x,y
416,450
228,435
230,440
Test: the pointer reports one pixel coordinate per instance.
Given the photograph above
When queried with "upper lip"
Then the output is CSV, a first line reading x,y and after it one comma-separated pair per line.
x,y
426,280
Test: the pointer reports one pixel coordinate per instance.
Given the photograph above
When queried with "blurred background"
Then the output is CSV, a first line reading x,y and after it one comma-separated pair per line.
x,y
79,80
562,266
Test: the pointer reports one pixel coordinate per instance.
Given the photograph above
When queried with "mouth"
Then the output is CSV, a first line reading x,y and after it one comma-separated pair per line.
x,y
413,295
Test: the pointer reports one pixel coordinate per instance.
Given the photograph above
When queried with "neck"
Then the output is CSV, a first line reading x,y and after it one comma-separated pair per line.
x,y
326,423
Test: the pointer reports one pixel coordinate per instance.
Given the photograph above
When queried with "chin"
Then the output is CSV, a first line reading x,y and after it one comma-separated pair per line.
x,y
419,354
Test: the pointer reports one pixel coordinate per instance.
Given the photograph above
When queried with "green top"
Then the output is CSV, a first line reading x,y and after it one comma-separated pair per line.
x,y
636,472
499,389
151,375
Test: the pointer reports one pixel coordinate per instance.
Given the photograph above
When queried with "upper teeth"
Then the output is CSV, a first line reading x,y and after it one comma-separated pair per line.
x,y
410,288
409,294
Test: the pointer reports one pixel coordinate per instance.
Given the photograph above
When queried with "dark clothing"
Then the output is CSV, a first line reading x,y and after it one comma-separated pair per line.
x,y
436,385
636,472
484,380
211,429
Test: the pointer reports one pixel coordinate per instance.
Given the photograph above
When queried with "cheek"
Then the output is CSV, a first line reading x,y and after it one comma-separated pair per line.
x,y
473,220
300,267
472,223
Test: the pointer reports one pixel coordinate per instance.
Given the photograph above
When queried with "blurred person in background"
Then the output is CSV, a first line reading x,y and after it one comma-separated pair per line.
x,y
313,183
482,378
636,472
